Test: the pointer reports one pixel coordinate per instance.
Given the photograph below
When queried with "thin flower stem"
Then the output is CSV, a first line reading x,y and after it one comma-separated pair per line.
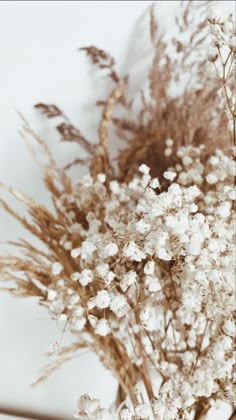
x,y
200,344
229,69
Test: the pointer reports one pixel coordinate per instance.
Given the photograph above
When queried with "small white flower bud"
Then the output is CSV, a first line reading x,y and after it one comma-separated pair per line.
x,y
154,183
110,249
211,178
57,268
214,14
126,414
53,347
102,328
103,299
101,178
232,44
52,294
85,277
168,152
226,27
92,320
74,299
75,276
142,411
229,328
149,267
213,54
75,252
144,169
87,180
169,142
142,227
169,175
62,318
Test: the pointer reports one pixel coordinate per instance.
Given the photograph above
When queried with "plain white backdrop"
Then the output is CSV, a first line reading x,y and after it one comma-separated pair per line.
x,y
39,61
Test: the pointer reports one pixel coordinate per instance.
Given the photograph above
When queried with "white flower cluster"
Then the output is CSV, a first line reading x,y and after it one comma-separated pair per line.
x,y
222,53
158,266
223,32
89,409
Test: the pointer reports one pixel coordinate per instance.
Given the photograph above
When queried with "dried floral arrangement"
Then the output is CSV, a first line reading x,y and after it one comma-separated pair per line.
x,y
137,258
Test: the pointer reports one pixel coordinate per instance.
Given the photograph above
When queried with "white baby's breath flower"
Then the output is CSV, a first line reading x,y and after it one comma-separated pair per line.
x,y
214,160
149,267
233,44
78,324
119,305
62,318
103,414
148,318
87,249
213,54
75,228
154,183
168,152
223,210
169,175
187,160
60,283
169,142
142,227
91,303
87,180
214,14
115,187
73,300
67,245
144,169
102,327
102,269
143,411
132,251
153,284
110,250
75,276
52,294
57,268
53,347
85,277
229,328
211,178
78,311
128,280
194,248
109,277
92,320
75,252
226,27
101,178
102,299
126,414
232,194
87,406
163,254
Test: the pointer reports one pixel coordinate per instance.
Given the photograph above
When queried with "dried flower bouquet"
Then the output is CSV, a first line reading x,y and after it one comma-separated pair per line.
x,y
137,257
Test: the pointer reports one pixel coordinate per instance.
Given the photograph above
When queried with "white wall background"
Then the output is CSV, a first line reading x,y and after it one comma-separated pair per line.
x,y
39,61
